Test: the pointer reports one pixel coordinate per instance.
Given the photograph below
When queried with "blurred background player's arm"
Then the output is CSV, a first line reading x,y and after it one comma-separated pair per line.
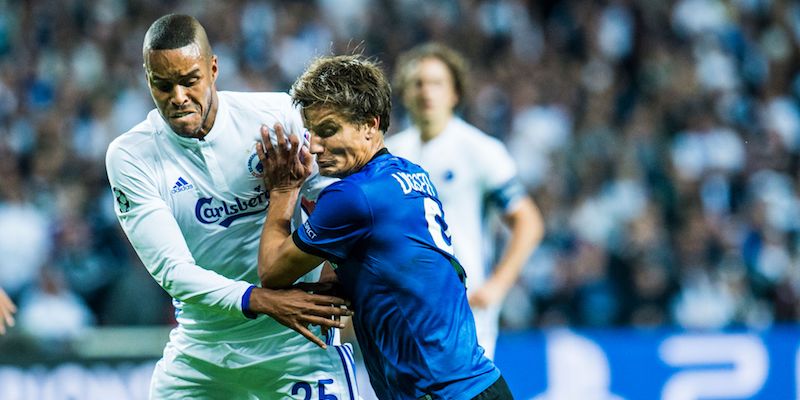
x,y
527,229
7,310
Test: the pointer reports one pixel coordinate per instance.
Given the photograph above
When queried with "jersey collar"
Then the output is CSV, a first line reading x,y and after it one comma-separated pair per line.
x,y
378,154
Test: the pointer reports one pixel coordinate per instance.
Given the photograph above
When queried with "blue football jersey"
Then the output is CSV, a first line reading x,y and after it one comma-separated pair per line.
x,y
384,229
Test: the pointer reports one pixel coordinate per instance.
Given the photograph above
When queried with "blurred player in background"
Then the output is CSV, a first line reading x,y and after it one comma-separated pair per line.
x,y
7,310
191,198
471,170
383,228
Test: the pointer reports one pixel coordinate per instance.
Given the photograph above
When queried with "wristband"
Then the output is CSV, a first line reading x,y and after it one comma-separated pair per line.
x,y
246,303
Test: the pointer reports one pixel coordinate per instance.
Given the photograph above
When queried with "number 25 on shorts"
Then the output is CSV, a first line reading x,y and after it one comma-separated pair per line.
x,y
308,391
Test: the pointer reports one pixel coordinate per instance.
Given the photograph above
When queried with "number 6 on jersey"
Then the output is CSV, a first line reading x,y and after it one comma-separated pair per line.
x,y
436,225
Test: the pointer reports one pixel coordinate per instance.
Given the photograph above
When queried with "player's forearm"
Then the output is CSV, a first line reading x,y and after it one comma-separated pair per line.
x,y
156,237
277,230
7,310
527,229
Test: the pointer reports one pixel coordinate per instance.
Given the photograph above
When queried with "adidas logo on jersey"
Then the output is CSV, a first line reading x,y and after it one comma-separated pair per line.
x,y
181,185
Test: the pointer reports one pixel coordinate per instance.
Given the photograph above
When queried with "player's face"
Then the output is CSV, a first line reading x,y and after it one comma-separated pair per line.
x,y
341,147
182,83
430,93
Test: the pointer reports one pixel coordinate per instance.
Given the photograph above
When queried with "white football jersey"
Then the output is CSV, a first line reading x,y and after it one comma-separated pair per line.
x,y
468,168
193,209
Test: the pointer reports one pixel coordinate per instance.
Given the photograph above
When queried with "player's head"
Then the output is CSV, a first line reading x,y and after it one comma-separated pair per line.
x,y
431,79
346,102
181,74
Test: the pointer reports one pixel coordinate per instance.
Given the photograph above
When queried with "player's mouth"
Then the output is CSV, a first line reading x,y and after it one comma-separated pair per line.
x,y
324,164
181,115
428,106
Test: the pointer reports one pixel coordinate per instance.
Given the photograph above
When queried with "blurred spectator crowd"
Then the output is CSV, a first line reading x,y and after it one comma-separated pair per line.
x,y
659,138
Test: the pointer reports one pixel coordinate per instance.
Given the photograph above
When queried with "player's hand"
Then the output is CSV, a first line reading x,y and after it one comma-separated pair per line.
x,y
287,165
323,288
328,283
7,310
298,309
491,293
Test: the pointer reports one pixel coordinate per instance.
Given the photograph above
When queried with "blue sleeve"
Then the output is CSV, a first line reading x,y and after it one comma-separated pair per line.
x,y
340,220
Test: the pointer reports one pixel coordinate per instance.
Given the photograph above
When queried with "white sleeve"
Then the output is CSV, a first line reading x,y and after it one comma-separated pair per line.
x,y
294,123
499,175
157,238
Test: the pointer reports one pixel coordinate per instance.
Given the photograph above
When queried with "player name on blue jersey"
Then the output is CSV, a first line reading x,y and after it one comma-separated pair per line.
x,y
419,182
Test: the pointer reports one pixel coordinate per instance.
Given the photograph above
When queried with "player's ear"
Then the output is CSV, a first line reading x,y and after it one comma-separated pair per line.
x,y
373,127
214,68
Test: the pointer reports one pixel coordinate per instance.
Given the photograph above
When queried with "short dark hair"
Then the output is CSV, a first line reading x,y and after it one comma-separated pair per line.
x,y
353,85
452,59
174,31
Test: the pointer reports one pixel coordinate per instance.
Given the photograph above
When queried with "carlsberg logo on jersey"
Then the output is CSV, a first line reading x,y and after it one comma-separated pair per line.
x,y
209,210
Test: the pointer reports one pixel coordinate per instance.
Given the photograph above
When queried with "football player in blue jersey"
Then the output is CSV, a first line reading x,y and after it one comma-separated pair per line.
x,y
383,229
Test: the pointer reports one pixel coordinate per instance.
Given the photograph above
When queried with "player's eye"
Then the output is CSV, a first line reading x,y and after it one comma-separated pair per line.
x,y
190,82
162,86
327,132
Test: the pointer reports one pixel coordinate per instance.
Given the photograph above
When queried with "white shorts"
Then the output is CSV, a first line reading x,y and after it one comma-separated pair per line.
x,y
486,326
305,373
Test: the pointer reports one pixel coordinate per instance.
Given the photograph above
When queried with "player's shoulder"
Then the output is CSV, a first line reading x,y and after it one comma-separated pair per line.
x,y
405,138
257,101
404,135
139,139
472,135
349,190
367,177
384,171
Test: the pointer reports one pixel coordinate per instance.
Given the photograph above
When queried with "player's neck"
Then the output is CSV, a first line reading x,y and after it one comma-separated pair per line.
x,y
430,129
208,124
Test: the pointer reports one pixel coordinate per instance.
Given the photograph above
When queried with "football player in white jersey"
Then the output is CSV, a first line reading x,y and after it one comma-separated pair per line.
x,y
469,168
191,198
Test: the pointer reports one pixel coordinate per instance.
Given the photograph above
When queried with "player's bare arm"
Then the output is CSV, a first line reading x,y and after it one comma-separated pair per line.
x,y
7,310
527,229
280,261
286,166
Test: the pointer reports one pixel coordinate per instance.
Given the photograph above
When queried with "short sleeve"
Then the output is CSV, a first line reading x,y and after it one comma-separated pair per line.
x,y
341,219
502,187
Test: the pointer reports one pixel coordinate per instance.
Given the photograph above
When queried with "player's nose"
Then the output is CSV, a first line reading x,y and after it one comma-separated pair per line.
x,y
315,145
178,96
